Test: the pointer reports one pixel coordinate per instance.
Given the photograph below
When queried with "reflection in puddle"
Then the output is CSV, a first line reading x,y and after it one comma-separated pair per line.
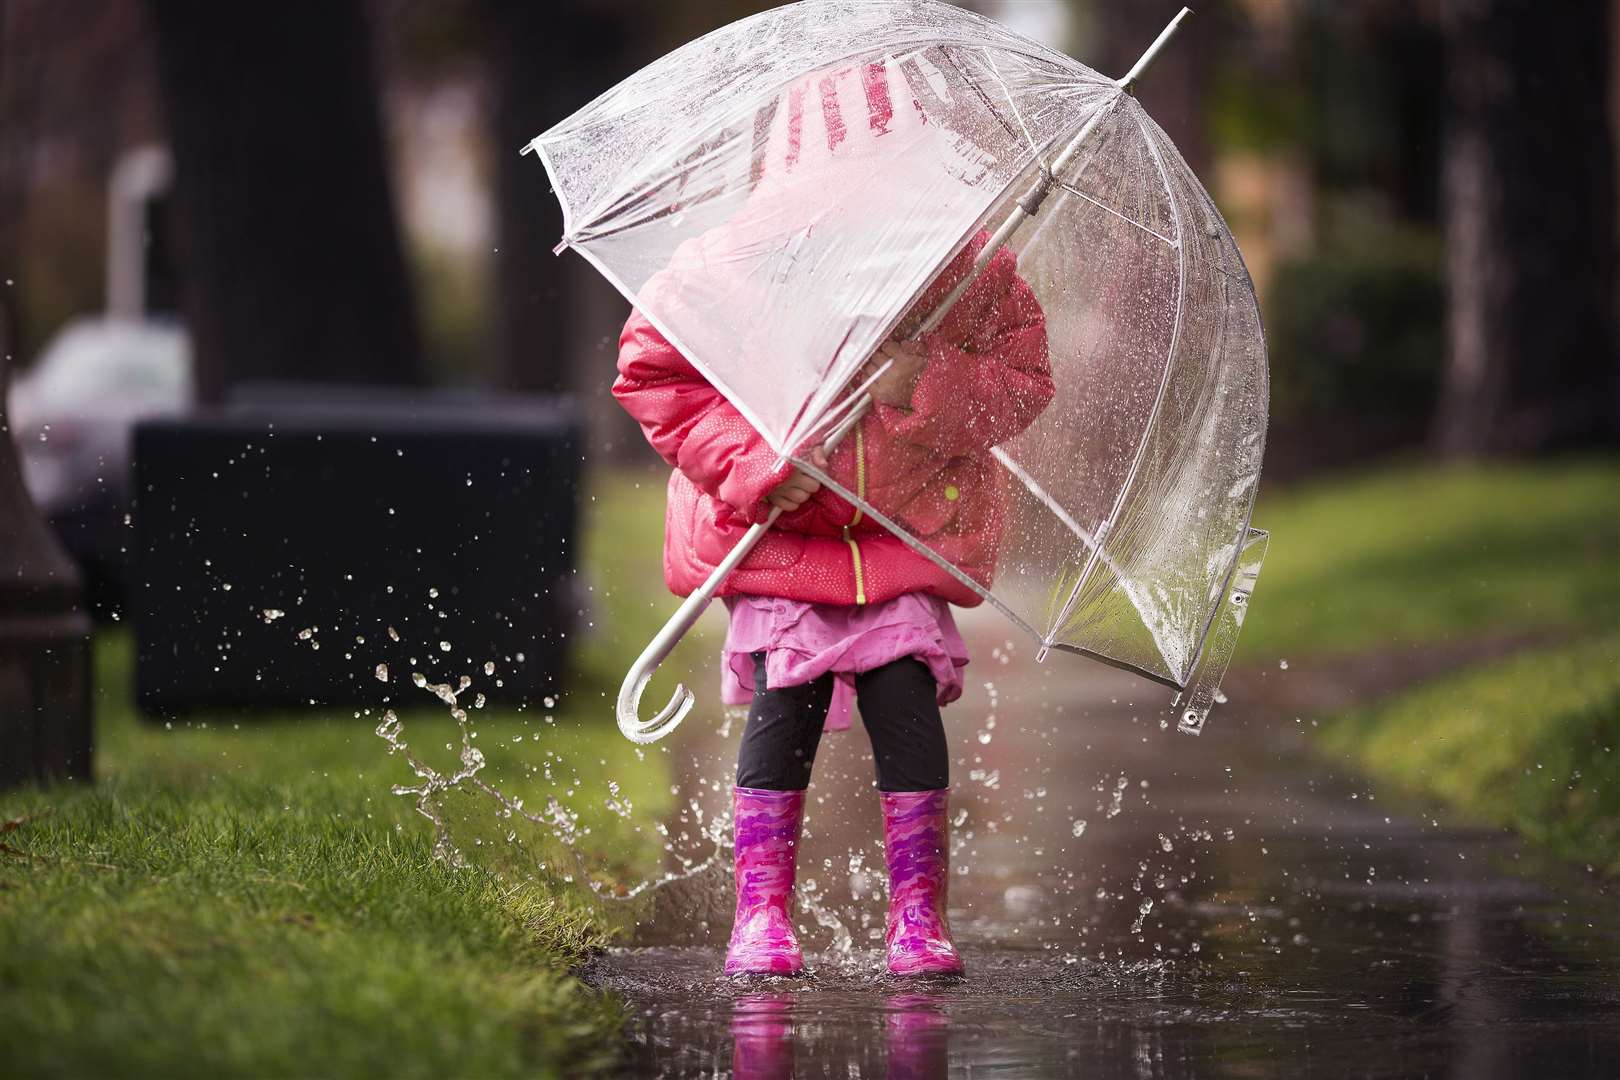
x,y
918,1036
762,1037
914,1026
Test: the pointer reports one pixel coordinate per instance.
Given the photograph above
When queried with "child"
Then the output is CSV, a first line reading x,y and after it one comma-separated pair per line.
x,y
830,604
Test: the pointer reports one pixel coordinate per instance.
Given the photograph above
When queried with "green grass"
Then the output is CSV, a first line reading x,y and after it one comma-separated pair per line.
x,y
1418,555
1533,743
258,929
1412,557
244,896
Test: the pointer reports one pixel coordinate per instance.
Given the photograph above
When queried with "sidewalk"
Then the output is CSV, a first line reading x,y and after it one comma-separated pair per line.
x,y
1300,922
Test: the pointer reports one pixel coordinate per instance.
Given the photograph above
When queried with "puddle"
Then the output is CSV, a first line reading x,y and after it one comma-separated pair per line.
x,y
1130,902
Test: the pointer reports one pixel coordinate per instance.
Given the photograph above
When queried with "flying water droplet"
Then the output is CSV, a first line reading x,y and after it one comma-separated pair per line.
x,y
390,727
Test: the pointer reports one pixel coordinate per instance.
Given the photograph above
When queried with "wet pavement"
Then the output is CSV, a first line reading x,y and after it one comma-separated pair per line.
x,y
1136,903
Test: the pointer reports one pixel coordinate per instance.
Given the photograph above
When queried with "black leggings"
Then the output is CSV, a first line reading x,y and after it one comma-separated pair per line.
x,y
897,705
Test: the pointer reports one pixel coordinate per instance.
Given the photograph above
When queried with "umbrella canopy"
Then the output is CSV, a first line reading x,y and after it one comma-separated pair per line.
x,y
776,197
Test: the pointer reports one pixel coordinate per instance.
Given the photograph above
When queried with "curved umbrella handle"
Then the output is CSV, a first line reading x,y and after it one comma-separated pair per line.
x,y
686,616
658,649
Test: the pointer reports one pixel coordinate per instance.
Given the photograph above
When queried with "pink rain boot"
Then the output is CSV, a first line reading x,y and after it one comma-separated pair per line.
x,y
762,940
916,847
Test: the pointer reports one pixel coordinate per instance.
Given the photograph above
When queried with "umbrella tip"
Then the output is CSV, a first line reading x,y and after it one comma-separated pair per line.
x,y
1128,83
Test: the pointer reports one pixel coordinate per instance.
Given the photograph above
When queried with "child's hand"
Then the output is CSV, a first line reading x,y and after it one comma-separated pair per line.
x,y
894,386
796,490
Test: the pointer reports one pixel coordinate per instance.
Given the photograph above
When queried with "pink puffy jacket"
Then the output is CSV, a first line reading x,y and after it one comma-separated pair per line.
x,y
929,467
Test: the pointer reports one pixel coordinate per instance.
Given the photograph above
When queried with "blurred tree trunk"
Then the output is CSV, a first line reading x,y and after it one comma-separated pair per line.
x,y
13,143
546,60
293,256
1529,210
45,669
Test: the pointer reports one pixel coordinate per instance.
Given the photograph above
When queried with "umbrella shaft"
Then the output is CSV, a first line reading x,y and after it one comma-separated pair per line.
x,y
1028,206
1024,209
997,239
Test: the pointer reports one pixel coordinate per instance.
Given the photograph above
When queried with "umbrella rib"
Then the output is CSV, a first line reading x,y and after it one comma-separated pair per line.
x,y
1113,662
1006,90
1110,210
950,568
1052,504
973,83
1239,542
851,400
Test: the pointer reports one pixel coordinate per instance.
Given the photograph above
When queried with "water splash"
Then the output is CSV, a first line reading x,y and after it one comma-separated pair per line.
x,y
556,819
687,893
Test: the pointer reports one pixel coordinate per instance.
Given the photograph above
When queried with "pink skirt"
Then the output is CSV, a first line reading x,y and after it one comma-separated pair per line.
x,y
803,642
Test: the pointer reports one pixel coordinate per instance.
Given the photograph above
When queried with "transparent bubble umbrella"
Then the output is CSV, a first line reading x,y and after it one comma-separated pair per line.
x,y
777,196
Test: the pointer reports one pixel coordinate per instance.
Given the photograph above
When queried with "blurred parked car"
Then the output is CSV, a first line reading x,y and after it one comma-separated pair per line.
x,y
74,411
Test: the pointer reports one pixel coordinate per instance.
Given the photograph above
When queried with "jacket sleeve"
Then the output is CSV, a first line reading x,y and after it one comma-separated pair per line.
x,y
691,424
973,399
